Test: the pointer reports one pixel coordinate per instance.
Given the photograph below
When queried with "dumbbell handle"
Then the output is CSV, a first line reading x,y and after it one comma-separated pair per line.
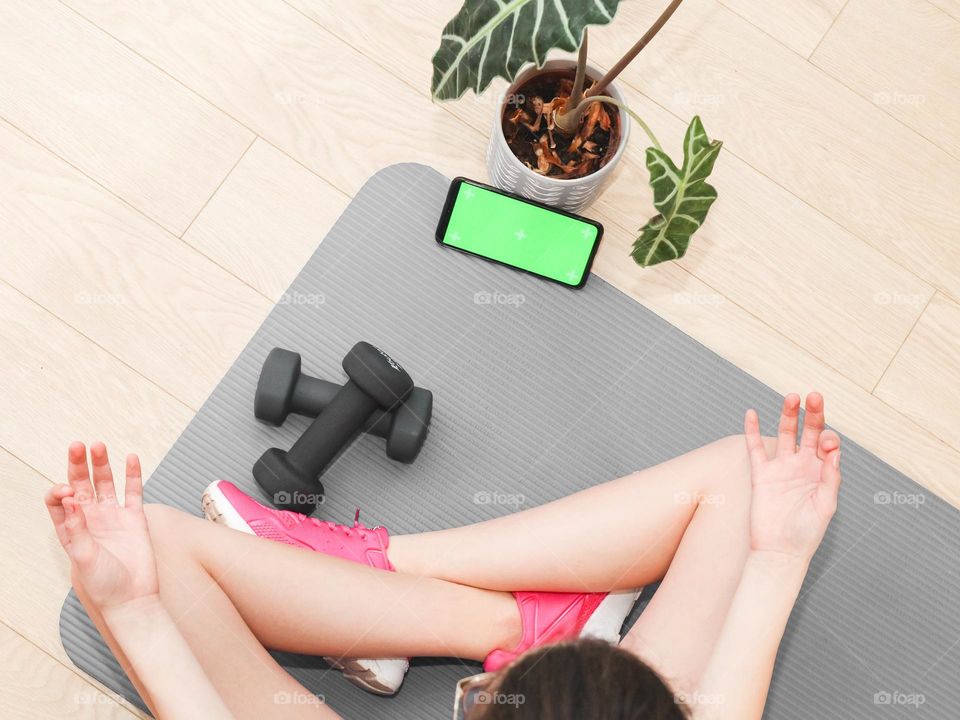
x,y
313,395
341,420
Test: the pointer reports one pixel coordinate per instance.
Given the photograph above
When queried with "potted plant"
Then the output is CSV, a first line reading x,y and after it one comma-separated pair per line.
x,y
562,126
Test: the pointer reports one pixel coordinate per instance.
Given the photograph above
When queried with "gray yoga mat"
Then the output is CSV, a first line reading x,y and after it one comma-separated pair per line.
x,y
541,391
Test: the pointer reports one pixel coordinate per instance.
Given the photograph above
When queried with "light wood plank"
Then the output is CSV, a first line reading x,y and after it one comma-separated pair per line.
x,y
805,130
923,381
33,556
105,110
762,247
297,85
799,24
904,57
785,263
33,686
950,7
273,209
402,37
59,387
135,289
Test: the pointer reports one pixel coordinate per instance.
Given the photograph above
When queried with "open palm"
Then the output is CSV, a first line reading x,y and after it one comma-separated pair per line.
x,y
112,560
795,492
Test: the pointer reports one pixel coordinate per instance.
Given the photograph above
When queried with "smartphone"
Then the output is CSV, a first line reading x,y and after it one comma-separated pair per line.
x,y
520,233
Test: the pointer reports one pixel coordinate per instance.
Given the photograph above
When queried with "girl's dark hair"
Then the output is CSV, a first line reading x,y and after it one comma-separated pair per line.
x,y
582,680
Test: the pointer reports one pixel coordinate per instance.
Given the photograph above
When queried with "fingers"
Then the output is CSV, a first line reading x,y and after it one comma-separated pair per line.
x,y
133,497
755,447
78,474
787,430
829,441
53,499
82,547
102,474
830,474
812,422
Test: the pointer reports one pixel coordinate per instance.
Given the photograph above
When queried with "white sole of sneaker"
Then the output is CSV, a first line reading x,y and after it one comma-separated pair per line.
x,y
607,620
218,509
380,676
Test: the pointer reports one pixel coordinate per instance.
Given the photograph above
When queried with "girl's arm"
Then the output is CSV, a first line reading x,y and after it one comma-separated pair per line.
x,y
735,683
114,570
165,664
794,498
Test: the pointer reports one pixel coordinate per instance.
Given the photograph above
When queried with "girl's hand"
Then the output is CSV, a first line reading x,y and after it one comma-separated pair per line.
x,y
110,552
795,493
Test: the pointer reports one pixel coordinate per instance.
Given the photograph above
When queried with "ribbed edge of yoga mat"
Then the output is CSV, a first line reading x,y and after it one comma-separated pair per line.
x,y
541,391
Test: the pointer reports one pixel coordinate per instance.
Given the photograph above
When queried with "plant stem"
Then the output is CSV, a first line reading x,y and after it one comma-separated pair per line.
x,y
634,51
576,95
566,120
631,113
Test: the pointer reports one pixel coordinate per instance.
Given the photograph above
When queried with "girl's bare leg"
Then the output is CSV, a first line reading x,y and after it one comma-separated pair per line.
x,y
620,534
233,594
685,521
260,687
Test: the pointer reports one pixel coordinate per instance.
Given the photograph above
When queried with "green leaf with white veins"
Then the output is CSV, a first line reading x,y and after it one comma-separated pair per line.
x,y
682,195
490,38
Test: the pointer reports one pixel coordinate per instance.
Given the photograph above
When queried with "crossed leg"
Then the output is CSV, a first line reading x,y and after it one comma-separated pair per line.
x,y
233,594
685,521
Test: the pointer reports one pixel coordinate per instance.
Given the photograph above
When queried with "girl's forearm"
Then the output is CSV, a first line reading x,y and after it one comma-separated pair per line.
x,y
735,683
164,662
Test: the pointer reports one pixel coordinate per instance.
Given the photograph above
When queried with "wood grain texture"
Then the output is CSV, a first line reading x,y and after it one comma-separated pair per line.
x,y
36,687
950,7
904,57
297,85
923,381
794,276
799,24
135,289
73,390
806,131
267,219
33,556
108,112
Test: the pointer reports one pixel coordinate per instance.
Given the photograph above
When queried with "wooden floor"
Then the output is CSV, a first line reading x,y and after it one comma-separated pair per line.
x,y
167,166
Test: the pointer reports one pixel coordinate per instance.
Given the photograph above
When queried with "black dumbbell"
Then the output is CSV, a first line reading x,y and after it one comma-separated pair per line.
x,y
284,389
291,477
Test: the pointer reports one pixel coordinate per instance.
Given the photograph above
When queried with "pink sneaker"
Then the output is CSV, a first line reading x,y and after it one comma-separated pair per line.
x,y
549,617
224,503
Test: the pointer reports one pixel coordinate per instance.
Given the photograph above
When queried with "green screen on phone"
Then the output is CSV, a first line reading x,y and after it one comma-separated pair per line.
x,y
509,230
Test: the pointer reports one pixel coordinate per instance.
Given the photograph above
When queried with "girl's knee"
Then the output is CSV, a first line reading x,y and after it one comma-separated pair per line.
x,y
732,476
168,526
736,446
